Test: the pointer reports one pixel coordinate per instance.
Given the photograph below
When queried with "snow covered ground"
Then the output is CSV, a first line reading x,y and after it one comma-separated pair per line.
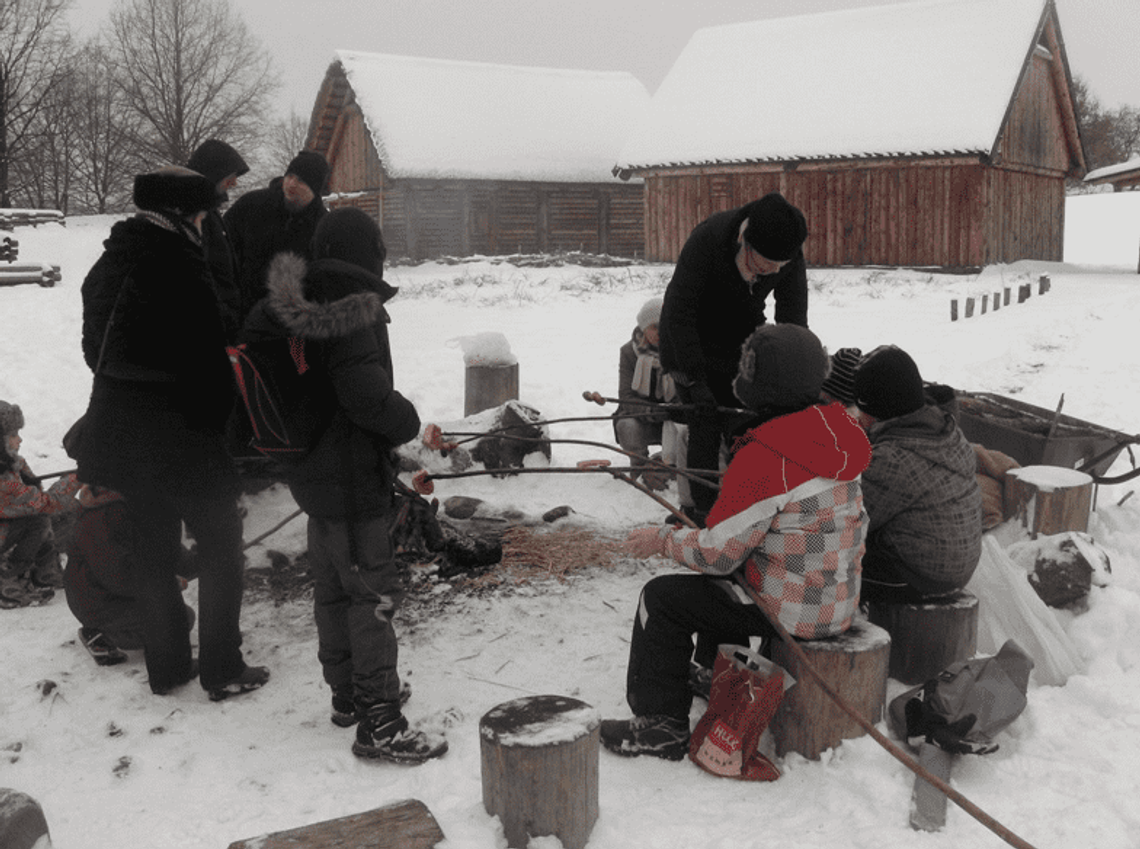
x,y
115,767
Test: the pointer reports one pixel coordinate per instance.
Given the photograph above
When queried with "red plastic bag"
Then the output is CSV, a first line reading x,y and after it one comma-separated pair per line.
x,y
746,690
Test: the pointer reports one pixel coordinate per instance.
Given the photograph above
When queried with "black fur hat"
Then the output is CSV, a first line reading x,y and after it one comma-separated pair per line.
x,y
175,189
352,235
216,160
313,170
776,229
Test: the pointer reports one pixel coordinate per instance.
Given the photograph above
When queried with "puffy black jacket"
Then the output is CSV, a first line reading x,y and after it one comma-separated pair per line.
x,y
337,309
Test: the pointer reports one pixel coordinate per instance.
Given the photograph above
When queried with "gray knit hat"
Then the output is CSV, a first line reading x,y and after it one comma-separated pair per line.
x,y
781,366
11,418
650,313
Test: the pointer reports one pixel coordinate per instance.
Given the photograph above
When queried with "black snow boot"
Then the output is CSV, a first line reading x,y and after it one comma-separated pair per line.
x,y
383,734
660,736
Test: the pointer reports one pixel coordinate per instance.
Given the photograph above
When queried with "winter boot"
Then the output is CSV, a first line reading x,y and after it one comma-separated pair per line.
x,y
252,678
344,708
383,734
660,736
100,647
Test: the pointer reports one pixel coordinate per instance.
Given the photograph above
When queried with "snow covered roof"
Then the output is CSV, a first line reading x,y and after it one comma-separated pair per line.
x,y
1104,175
470,120
926,77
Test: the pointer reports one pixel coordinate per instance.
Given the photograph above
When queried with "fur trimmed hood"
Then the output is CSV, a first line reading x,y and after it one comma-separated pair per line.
x,y
324,299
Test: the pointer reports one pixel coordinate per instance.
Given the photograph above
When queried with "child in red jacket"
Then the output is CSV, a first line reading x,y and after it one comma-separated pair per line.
x,y
31,573
789,517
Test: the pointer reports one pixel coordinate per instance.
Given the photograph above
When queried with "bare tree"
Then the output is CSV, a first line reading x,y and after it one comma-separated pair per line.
x,y
102,157
189,70
33,42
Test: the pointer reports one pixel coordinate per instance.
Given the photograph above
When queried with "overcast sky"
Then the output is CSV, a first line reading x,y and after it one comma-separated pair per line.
x,y
643,37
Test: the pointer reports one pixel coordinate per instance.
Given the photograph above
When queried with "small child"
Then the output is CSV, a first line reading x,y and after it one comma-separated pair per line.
x,y
29,563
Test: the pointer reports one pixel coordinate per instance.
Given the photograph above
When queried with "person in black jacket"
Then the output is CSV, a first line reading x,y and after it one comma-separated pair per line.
x,y
330,311
154,337
222,165
281,217
729,265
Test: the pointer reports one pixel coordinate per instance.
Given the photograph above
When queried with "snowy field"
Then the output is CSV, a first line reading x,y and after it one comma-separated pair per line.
x,y
116,767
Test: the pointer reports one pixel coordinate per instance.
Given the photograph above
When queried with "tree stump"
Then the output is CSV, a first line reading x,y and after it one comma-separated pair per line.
x,y
401,825
854,664
1048,499
928,636
489,386
540,768
22,822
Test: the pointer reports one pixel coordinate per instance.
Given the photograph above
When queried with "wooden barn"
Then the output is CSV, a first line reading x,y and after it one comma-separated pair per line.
x,y
463,158
933,133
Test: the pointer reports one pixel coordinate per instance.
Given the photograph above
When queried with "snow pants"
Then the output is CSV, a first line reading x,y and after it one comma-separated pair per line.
x,y
356,592
673,608
29,545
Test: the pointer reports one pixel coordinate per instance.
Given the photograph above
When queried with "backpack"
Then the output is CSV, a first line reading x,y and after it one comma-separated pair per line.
x,y
281,416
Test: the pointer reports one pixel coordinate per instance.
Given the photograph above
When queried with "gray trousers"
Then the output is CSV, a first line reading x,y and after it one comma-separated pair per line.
x,y
356,592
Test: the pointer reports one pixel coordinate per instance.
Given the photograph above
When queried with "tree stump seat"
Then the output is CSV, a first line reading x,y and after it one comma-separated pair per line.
x,y
854,664
929,635
539,757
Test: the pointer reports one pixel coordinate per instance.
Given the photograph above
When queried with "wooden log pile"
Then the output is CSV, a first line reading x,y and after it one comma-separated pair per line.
x,y
10,218
40,273
9,247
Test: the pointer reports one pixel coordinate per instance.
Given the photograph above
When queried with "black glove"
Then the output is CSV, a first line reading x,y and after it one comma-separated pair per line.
x,y
925,722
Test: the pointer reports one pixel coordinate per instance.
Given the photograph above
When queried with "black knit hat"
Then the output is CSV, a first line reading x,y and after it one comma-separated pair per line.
x,y
781,366
352,235
216,160
313,170
888,385
840,380
175,189
11,418
776,229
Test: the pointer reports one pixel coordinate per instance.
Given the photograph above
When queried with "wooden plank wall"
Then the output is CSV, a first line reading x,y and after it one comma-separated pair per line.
x,y
938,213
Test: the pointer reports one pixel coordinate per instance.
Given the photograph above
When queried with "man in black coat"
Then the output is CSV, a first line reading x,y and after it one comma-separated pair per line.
x,y
281,217
731,262
219,163
154,338
329,313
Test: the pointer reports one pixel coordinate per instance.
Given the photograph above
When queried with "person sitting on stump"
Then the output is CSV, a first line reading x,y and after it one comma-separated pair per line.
x,y
920,489
789,521
641,385
29,562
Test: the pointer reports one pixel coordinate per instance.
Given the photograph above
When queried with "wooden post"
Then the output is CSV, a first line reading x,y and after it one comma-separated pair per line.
x,y
540,768
401,825
1005,296
954,310
928,636
22,822
985,302
855,665
1048,499
489,386
997,301
969,307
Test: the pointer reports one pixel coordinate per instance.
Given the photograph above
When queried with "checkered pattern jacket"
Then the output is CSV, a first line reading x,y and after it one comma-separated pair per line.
x,y
922,494
790,513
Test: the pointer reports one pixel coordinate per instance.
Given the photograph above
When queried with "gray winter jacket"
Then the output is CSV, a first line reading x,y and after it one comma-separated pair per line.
x,y
922,495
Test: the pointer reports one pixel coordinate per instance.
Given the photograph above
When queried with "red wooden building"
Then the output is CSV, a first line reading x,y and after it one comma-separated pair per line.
x,y
935,133
463,158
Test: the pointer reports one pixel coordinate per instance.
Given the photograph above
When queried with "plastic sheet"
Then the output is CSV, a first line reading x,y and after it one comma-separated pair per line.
x,y
1009,608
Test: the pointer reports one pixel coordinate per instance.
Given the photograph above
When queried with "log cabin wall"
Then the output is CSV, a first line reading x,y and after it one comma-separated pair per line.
x,y
951,213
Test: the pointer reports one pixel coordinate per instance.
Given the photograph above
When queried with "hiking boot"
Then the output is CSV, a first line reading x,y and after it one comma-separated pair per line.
x,y
21,592
660,736
700,680
251,678
344,708
100,647
383,734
